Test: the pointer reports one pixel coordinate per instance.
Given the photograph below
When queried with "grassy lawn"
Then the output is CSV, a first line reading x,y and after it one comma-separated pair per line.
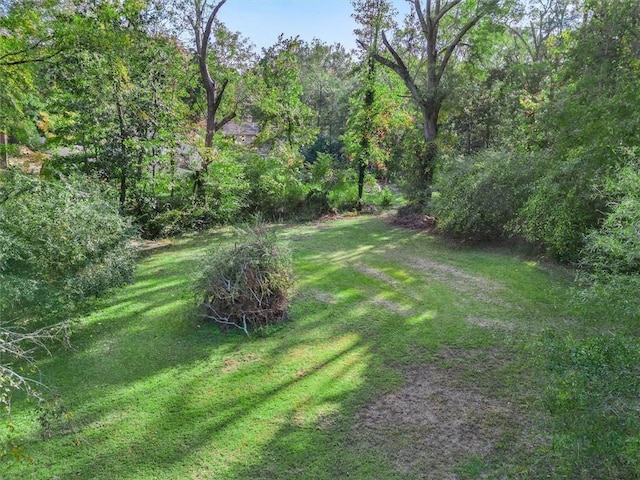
x,y
404,358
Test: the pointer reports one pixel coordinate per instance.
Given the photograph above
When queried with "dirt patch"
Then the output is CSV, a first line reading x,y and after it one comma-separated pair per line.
x,y
490,323
234,363
460,278
393,307
149,245
318,296
377,274
436,421
474,286
415,221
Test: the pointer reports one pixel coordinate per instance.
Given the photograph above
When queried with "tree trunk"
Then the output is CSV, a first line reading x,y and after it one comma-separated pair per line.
x,y
362,169
123,186
202,30
5,152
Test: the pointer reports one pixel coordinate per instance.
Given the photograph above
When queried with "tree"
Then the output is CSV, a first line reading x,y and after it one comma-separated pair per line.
x,y
588,123
282,114
124,108
543,21
327,85
432,36
373,16
202,18
24,42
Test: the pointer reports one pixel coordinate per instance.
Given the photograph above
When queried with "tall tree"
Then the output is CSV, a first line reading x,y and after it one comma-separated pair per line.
x,y
123,109
282,114
327,84
202,19
373,16
25,42
433,33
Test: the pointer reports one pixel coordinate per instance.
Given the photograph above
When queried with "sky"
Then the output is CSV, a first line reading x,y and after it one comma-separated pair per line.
x,y
263,20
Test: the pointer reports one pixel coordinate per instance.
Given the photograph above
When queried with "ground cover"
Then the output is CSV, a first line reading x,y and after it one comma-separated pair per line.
x,y
405,357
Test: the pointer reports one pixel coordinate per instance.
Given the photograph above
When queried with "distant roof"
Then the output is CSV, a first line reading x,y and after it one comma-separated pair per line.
x,y
244,128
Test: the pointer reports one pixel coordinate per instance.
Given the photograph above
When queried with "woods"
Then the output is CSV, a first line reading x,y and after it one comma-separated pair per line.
x,y
502,122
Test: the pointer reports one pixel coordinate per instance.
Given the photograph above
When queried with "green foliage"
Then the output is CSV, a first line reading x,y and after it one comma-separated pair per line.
x,y
561,209
385,197
344,195
610,261
479,196
11,445
246,286
614,247
282,114
332,185
274,188
61,241
593,399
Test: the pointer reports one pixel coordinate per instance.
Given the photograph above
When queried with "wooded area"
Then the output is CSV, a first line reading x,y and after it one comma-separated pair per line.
x,y
498,120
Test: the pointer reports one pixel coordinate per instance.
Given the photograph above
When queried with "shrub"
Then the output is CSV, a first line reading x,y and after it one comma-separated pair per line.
x,y
386,197
478,196
561,210
274,189
246,286
228,190
60,242
610,278
336,184
614,247
343,196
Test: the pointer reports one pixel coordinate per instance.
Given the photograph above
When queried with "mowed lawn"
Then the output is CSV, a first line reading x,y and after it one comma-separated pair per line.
x,y
405,357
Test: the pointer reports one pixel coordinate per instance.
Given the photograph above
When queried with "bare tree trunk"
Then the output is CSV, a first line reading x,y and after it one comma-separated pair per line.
x,y
202,30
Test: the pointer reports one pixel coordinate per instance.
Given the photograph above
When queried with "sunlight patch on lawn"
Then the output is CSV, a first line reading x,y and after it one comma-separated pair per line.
x,y
422,318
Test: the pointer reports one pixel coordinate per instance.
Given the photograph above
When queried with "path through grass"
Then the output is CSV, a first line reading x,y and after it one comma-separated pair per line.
x,y
405,358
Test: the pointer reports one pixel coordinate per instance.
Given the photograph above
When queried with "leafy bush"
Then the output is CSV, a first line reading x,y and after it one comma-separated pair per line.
x,y
228,190
561,209
225,201
343,196
610,278
336,184
386,197
614,247
478,196
274,189
246,286
60,242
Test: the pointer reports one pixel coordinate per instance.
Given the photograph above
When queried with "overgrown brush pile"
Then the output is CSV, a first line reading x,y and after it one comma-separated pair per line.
x,y
247,286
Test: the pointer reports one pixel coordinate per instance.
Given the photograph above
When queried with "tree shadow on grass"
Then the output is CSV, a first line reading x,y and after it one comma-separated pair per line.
x,y
156,396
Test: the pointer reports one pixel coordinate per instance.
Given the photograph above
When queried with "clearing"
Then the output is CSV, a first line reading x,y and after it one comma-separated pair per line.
x,y
405,357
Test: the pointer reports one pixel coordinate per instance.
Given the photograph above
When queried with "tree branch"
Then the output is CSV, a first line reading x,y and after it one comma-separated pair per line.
x,y
524,42
399,67
424,24
454,43
444,10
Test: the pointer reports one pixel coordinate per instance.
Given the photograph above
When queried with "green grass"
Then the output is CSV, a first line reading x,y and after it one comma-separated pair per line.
x,y
381,318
